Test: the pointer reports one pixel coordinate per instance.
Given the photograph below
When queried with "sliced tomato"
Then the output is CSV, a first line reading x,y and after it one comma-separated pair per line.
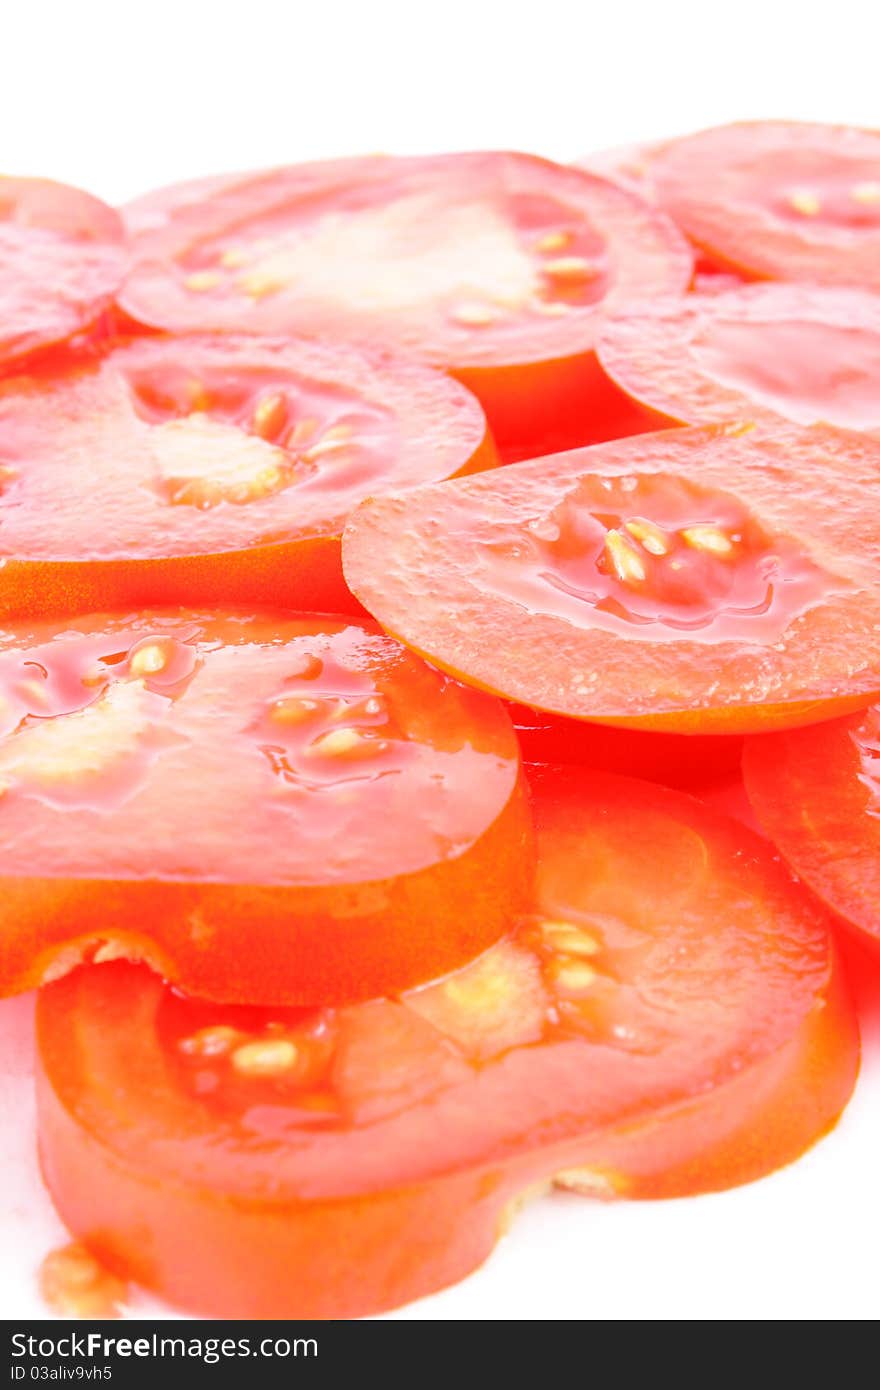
x,y
702,581
808,353
625,164
713,279
631,166
231,797
199,470
499,267
62,258
335,1163
678,760
778,200
816,792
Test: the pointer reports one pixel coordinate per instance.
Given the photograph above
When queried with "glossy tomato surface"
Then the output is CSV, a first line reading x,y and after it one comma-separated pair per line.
x,y
705,582
808,353
334,1163
200,470
778,200
62,258
232,797
816,792
497,266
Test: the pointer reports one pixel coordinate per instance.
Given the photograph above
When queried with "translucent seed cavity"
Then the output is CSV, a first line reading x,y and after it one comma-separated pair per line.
x,y
270,416
573,270
269,1057
216,1041
295,710
651,537
623,559
804,202
572,977
473,315
202,280
709,538
148,661
868,193
554,241
569,939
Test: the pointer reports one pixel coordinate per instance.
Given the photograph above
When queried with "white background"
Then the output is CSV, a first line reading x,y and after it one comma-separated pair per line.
x,y
118,97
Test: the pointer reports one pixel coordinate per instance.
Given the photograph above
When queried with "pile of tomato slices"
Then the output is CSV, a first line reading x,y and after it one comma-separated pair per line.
x,y
401,562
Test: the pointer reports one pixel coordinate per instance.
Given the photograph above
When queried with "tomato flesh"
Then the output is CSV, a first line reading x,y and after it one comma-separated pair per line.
x,y
816,793
690,581
62,258
333,1163
230,796
498,267
778,200
198,470
808,353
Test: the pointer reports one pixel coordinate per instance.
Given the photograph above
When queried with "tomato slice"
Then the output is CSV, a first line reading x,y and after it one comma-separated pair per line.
x,y
199,470
625,164
231,797
678,760
694,581
816,793
808,353
499,267
62,258
335,1163
778,200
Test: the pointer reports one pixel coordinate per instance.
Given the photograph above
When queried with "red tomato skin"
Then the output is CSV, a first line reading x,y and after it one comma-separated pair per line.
x,y
254,917
65,254
571,402
303,572
734,191
676,760
354,1257
782,474
813,797
821,368
351,1247
758,1122
542,390
420,1238
297,956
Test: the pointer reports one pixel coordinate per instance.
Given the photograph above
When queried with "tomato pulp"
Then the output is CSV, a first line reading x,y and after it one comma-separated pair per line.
x,y
199,470
816,793
62,258
778,200
809,353
695,581
335,1163
498,267
231,797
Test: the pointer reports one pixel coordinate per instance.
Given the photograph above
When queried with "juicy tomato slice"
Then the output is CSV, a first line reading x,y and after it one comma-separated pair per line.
x,y
778,200
678,760
336,1162
631,166
62,258
200,470
695,581
816,792
231,797
499,267
808,353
